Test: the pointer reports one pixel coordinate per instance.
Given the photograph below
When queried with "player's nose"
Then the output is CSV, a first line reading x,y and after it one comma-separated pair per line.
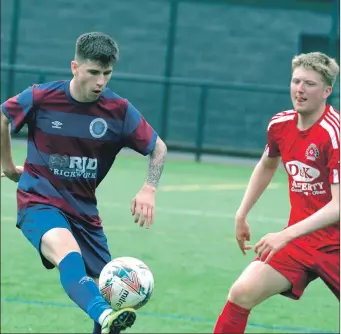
x,y
300,87
101,81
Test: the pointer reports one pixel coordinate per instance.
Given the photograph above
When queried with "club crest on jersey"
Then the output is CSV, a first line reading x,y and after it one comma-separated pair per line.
x,y
312,152
98,127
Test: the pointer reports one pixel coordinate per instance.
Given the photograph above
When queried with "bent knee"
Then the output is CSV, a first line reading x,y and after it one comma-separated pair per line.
x,y
244,295
58,243
258,282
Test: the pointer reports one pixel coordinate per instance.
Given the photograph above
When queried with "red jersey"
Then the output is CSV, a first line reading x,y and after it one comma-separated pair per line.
x,y
311,159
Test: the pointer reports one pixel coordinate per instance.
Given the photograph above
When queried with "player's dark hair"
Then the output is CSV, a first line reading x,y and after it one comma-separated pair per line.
x,y
96,46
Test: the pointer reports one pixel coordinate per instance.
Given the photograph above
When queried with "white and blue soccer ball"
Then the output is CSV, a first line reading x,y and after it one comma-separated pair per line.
x,y
126,282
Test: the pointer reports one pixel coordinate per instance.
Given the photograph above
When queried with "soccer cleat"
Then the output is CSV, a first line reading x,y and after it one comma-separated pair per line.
x,y
115,322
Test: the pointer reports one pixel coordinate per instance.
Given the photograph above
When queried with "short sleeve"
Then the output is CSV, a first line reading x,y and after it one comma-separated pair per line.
x,y
137,132
333,163
331,140
18,109
271,148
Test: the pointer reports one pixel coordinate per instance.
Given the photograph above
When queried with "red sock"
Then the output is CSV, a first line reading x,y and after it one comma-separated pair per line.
x,y
233,319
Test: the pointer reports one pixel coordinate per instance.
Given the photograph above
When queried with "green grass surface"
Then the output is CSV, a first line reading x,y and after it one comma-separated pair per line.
x,y
190,249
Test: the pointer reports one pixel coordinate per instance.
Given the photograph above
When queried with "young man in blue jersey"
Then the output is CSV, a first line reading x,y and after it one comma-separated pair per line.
x,y
75,130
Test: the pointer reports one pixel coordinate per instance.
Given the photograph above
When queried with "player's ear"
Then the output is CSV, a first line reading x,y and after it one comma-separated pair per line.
x,y
328,90
74,67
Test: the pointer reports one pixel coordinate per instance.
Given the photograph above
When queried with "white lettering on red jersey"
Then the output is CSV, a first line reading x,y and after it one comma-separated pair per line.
x,y
312,161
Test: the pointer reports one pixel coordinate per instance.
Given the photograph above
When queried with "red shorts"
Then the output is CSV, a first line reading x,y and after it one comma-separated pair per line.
x,y
301,264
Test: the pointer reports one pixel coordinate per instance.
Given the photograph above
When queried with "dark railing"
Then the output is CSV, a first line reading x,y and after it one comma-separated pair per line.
x,y
167,80
204,85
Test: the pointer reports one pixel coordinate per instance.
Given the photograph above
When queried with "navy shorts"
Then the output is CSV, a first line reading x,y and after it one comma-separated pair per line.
x,y
35,221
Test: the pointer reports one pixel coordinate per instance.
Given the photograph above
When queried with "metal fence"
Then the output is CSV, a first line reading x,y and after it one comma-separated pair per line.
x,y
204,86
199,142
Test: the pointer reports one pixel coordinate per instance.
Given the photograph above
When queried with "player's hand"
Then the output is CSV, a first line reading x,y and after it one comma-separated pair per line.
x,y
13,174
270,244
142,206
243,233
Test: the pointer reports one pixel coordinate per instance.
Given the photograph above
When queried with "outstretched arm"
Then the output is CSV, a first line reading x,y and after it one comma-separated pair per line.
x,y
259,180
17,112
328,215
8,167
6,154
142,205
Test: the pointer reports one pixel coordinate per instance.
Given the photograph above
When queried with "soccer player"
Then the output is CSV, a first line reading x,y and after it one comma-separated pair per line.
x,y
307,141
75,130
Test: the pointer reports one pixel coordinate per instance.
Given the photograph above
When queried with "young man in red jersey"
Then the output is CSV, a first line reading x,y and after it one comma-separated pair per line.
x,y
307,139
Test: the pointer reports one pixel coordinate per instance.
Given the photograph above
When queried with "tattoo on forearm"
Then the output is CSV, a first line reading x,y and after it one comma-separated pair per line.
x,y
156,162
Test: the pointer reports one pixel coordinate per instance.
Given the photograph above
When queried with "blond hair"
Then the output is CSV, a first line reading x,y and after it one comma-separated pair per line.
x,y
319,62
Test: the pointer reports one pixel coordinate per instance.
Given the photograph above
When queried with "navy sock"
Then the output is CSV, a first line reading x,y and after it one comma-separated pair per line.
x,y
81,288
97,328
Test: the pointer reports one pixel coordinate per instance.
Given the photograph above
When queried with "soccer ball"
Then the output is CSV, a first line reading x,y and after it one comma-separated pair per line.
x,y
126,282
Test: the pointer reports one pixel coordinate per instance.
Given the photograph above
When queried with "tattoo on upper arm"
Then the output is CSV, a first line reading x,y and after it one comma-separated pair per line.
x,y
156,162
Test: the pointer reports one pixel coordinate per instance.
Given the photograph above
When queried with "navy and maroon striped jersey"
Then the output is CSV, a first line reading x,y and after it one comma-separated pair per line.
x,y
72,145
